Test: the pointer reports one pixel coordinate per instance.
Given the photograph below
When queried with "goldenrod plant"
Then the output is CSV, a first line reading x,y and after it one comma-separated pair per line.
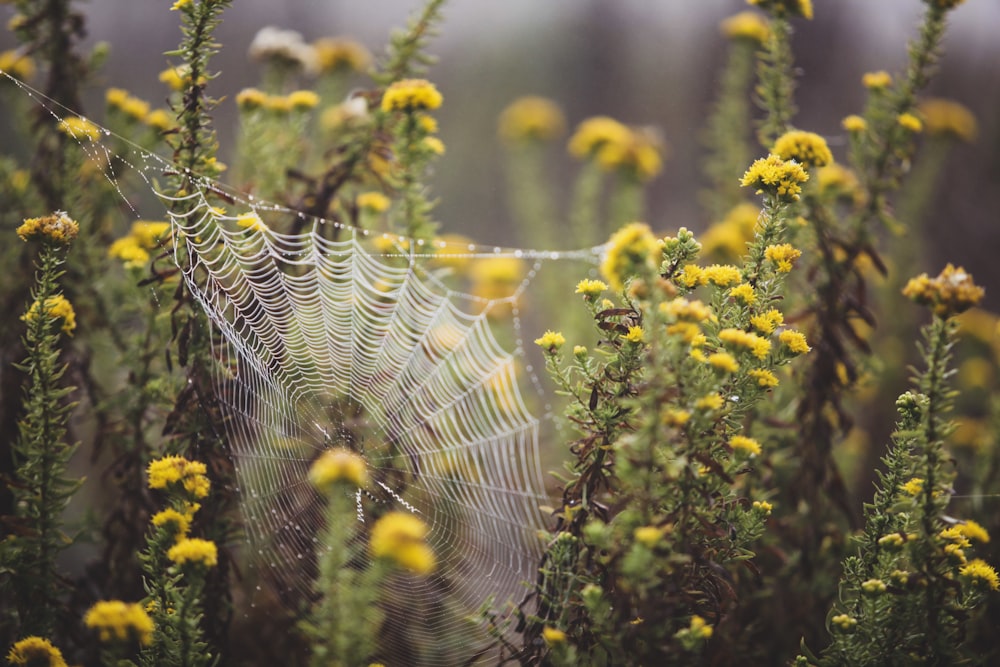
x,y
715,387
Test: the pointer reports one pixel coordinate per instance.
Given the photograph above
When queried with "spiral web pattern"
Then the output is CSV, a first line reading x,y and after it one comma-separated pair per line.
x,y
335,343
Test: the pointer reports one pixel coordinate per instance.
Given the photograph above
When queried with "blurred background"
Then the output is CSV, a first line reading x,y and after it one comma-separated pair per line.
x,y
641,61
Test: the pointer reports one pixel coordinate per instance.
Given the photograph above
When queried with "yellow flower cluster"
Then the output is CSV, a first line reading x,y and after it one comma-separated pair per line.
x,y
631,250
801,8
56,307
729,237
496,277
783,256
341,53
947,118
795,341
134,248
250,99
974,531
115,620
709,402
178,523
635,334
807,148
531,118
35,652
411,95
723,361
591,289
914,486
551,341
251,221
746,25
844,623
910,122
744,293
748,446
58,228
374,202
981,573
764,377
553,636
699,628
950,293
17,64
776,177
763,506
338,465
835,180
876,80
722,275
79,128
854,123
170,470
194,551
401,538
617,147
688,311
768,321
131,106
177,78
757,346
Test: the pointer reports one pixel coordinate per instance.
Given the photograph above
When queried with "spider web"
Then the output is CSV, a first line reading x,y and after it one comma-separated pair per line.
x,y
337,336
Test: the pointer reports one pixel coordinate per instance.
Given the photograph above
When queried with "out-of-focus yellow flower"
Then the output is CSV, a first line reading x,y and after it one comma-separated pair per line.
x,y
801,8
980,573
947,118
854,123
531,118
631,250
746,340
876,80
764,377
115,620
807,148
79,128
401,538
341,53
338,465
910,122
17,64
411,95
746,25
747,446
303,100
35,652
729,237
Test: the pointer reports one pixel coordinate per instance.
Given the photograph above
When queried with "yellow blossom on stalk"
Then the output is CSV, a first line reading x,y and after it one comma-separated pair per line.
x,y
434,145
631,250
194,551
764,377
776,177
709,402
914,486
374,202
411,95
876,80
974,531
129,251
148,233
594,133
947,118
115,620
692,276
17,64
684,310
56,307
910,122
251,221
806,148
980,573
674,417
955,535
782,255
700,628
759,347
801,8
179,523
648,536
794,340
950,293
591,289
160,119
639,155
176,78
427,123
748,446
35,652
531,118
746,25
303,100
251,98
171,470
58,228
496,277
635,335
723,361
551,341
744,293
338,465
768,321
835,180
279,104
722,275
79,128
763,506
553,636
729,237
854,123
873,587
844,623
401,537
336,53
180,4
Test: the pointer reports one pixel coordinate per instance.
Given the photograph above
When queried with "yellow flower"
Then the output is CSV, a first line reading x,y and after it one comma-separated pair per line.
x,y
764,377
675,417
17,64
400,537
129,251
251,98
553,636
58,228
692,276
175,77
709,402
914,486
835,180
854,123
56,307
782,255
795,341
947,118
746,25
180,4
177,522
303,100
700,628
876,80
194,551
763,506
748,446
684,310
115,620
149,234
974,531
411,95
79,128
434,145
374,202
981,573
631,250
910,122
336,53
639,154
805,148
35,652
723,361
531,119
171,470
251,221
496,277
722,275
950,293
591,289
161,119
776,177
648,536
801,8
844,623
338,465
759,347
729,237
594,133
551,341
635,335
768,321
